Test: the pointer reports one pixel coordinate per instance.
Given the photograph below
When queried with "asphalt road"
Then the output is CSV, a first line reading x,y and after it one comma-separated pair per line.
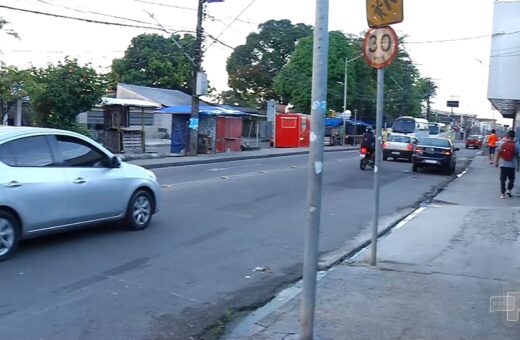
x,y
195,263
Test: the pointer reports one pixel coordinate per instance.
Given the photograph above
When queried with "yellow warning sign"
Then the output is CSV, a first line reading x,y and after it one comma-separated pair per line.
x,y
384,12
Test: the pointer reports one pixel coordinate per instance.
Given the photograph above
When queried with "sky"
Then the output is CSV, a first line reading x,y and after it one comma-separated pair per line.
x,y
448,40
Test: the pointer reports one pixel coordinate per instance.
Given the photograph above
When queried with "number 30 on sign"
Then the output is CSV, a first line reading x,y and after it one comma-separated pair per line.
x,y
380,46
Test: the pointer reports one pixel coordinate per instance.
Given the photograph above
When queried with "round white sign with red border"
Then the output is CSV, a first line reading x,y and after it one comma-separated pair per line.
x,y
380,46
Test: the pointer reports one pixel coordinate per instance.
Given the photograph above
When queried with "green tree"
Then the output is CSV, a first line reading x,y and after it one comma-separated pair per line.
x,y
60,92
13,84
156,61
294,82
403,93
253,66
428,90
3,24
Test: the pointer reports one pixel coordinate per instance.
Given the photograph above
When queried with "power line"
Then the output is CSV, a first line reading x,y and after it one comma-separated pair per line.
x,y
57,51
92,12
78,19
463,38
155,28
231,23
166,5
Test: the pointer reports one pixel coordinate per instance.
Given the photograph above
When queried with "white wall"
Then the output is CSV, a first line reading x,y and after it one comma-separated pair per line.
x,y
504,67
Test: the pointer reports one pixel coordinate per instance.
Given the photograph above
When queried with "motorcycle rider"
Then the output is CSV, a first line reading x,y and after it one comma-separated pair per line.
x,y
368,141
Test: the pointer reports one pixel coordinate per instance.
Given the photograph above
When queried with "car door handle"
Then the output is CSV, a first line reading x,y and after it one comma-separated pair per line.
x,y
79,180
13,184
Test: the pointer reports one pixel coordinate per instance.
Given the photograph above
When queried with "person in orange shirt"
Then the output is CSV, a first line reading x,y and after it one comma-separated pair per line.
x,y
492,145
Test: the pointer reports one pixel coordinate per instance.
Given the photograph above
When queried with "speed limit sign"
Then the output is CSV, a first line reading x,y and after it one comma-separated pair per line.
x,y
380,46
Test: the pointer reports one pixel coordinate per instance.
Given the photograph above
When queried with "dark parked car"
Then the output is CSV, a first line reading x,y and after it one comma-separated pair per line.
x,y
435,152
474,141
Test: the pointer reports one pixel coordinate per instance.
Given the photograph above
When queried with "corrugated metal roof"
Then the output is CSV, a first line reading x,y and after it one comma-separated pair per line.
x,y
164,97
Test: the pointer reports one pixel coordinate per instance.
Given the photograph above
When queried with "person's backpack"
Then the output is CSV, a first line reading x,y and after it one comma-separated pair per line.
x,y
507,151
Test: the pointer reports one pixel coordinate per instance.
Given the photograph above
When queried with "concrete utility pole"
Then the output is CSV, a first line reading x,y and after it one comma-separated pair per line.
x,y
197,60
315,168
377,168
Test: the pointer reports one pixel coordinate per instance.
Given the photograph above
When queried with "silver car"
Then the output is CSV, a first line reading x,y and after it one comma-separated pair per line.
x,y
54,180
399,146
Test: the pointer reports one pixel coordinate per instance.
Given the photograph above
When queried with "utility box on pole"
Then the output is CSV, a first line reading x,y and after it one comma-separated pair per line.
x,y
202,84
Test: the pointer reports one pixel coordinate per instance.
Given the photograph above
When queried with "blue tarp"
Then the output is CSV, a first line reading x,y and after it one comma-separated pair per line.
x,y
357,122
204,110
333,122
338,122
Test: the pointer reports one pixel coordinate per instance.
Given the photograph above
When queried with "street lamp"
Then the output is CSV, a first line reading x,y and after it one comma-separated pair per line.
x,y
345,82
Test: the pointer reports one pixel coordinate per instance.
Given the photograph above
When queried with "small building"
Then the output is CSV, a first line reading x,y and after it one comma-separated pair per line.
x,y
117,134
219,128
292,130
504,66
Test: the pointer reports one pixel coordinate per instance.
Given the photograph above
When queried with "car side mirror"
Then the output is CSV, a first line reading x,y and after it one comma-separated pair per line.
x,y
115,162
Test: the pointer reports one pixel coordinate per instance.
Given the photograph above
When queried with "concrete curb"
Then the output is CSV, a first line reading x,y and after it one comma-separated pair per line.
x,y
228,159
330,259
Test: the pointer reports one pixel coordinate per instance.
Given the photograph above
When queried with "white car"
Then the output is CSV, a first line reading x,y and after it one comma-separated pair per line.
x,y
54,180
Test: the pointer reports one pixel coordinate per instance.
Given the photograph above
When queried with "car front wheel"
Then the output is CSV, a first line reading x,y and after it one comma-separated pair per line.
x,y
9,235
140,210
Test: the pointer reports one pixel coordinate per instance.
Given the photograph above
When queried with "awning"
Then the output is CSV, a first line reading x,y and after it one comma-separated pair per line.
x,y
357,122
128,102
204,110
333,122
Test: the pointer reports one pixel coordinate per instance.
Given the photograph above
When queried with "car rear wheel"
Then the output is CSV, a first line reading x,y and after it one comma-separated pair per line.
x,y
415,168
9,235
385,157
467,146
451,170
140,210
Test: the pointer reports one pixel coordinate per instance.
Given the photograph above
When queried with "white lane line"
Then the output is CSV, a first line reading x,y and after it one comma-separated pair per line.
x,y
408,218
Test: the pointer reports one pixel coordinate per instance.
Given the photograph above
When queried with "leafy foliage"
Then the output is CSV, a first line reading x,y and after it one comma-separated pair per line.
x,y
60,92
404,89
156,61
253,66
8,31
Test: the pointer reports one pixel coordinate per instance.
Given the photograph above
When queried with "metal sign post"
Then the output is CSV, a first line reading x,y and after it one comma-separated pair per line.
x,y
315,168
379,49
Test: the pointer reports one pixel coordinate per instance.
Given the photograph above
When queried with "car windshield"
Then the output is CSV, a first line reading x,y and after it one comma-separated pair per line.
x,y
473,137
406,125
399,139
439,142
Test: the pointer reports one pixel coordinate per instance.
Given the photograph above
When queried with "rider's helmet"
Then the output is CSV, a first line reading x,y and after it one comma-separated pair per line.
x,y
369,129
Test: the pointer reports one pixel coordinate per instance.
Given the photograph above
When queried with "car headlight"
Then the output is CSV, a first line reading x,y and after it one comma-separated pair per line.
x,y
151,174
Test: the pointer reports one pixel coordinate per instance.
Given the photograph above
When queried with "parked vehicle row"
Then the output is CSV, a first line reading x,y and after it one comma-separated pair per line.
x,y
430,152
54,180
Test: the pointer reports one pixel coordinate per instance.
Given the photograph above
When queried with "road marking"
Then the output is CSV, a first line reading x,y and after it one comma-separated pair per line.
x,y
166,186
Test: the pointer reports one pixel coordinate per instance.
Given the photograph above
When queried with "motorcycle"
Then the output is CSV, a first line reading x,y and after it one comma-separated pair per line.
x,y
366,159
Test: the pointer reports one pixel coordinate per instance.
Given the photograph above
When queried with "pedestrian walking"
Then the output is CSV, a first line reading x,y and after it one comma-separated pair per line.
x,y
508,160
492,140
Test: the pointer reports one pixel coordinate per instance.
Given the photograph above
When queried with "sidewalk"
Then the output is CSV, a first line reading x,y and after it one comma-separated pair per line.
x,y
434,279
160,160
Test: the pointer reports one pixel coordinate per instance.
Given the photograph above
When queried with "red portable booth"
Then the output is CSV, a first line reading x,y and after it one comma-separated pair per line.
x,y
292,130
